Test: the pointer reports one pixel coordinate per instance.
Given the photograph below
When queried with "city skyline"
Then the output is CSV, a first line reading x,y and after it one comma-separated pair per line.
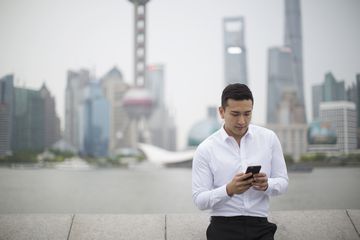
x,y
44,39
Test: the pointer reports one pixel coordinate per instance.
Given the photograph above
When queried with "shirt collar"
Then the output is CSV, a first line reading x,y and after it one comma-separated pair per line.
x,y
225,136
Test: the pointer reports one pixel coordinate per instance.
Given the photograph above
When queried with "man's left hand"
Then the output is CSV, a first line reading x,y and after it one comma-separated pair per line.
x,y
260,181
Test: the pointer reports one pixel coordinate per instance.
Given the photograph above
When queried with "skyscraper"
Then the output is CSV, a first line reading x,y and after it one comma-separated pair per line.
x,y
234,50
155,84
162,125
114,89
342,114
51,120
94,118
293,40
29,130
6,113
285,113
76,81
280,84
358,99
333,90
329,90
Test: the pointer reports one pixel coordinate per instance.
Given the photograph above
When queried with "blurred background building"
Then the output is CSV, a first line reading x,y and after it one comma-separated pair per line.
x,y
163,132
286,114
330,90
76,82
234,50
333,103
114,89
204,128
104,115
6,113
28,119
342,114
293,40
94,118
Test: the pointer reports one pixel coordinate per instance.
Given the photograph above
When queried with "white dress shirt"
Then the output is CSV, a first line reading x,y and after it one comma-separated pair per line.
x,y
219,158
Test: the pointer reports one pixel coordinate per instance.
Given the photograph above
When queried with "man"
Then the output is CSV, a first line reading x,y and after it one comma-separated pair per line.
x,y
238,201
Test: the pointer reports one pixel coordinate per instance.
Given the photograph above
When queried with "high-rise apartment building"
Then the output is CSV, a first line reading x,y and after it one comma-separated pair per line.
x,y
235,68
6,113
114,89
76,82
293,40
342,115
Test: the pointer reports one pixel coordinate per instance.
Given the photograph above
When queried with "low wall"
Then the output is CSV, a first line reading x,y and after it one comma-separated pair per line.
x,y
309,224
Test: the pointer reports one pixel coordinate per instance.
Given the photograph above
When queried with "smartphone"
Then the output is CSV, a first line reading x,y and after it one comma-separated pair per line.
x,y
253,169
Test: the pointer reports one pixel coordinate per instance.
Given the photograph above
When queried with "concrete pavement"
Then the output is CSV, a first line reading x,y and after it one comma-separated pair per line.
x,y
295,225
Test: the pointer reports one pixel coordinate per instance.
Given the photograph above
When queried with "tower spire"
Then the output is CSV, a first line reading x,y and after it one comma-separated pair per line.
x,y
139,41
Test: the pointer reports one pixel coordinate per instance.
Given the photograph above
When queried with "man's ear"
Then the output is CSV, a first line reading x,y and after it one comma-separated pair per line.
x,y
222,112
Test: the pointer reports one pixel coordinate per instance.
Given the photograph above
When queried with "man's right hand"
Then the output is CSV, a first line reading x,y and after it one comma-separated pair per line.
x,y
239,184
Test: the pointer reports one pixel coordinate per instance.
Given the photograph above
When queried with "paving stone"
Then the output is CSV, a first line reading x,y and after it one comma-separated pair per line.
x,y
313,224
35,226
123,226
354,215
186,226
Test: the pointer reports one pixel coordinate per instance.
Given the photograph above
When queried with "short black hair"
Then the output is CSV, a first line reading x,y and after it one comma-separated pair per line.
x,y
236,91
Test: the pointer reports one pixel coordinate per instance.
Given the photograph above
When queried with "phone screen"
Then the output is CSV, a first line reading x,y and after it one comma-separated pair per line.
x,y
254,169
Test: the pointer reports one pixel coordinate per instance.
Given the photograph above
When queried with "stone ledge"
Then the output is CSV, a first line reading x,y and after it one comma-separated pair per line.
x,y
309,224
35,226
132,227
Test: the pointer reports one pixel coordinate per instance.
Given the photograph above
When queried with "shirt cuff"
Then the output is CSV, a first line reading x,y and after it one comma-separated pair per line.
x,y
220,194
271,183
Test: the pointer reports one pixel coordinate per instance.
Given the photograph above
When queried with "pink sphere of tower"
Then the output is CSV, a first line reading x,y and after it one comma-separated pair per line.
x,y
138,103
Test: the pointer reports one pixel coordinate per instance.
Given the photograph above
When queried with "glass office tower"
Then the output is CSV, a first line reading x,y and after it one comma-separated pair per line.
x,y
234,50
293,40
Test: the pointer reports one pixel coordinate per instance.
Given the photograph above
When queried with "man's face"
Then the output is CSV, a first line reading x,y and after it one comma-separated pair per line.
x,y
237,117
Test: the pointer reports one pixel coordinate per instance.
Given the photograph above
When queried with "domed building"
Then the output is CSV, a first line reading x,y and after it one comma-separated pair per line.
x,y
320,132
204,128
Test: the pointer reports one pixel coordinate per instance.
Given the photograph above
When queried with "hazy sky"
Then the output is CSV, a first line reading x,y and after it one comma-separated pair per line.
x,y
41,39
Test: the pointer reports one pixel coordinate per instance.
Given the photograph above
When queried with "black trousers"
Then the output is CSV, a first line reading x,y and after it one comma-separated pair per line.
x,y
240,228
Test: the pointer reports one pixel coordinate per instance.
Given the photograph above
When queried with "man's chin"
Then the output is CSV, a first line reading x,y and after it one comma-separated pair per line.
x,y
241,131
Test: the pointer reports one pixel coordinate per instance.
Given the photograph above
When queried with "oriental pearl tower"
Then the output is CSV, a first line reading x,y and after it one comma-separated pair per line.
x,y
137,101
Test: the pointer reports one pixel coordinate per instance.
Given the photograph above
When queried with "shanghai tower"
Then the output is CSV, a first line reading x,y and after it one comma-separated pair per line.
x,y
293,40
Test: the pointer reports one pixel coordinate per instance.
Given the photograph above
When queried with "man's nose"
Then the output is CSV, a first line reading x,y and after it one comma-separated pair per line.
x,y
241,119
